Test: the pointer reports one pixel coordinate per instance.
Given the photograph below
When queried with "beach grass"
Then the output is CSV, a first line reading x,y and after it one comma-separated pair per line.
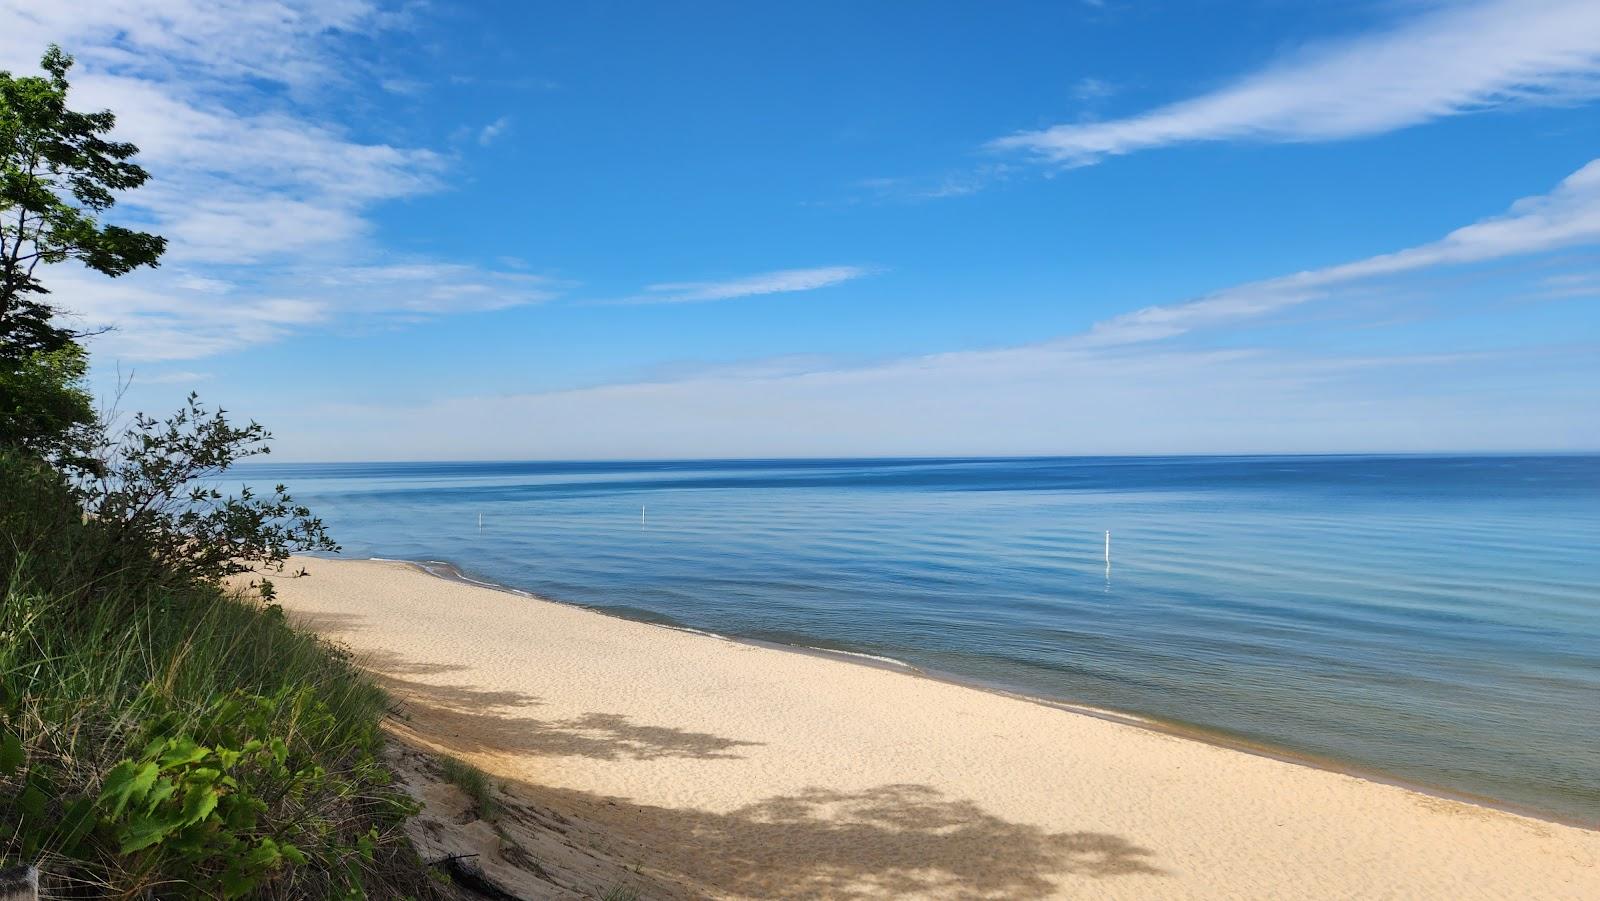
x,y
163,737
474,783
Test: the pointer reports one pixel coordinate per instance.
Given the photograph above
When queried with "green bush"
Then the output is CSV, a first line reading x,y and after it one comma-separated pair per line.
x,y
153,494
168,740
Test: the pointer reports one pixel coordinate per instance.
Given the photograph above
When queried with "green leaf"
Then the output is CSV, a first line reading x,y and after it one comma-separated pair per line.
x,y
11,754
183,752
236,882
198,804
127,781
161,791
264,855
142,832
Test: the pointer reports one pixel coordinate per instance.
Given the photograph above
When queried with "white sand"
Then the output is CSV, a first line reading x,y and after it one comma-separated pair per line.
x,y
743,771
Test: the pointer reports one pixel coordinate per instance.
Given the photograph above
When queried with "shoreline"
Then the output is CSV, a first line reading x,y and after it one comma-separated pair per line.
x,y
444,569
727,769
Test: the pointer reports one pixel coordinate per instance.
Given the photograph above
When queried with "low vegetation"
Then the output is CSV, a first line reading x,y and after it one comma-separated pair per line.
x,y
474,783
160,737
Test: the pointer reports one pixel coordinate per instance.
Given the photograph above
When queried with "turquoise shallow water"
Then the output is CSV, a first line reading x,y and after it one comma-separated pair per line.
x,y
1436,620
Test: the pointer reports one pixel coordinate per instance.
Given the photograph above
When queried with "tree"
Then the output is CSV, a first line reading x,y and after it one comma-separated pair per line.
x,y
44,407
58,174
150,493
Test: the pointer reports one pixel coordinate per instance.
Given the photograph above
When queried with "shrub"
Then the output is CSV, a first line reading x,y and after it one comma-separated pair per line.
x,y
164,739
154,498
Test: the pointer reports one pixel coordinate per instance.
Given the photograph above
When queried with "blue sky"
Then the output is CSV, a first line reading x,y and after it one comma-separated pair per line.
x,y
527,230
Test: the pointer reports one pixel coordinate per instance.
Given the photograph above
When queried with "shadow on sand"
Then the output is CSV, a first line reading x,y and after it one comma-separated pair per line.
x,y
896,840
479,720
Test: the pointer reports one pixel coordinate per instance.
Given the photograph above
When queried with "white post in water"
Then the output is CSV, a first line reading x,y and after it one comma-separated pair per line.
x,y
641,516
480,523
1108,561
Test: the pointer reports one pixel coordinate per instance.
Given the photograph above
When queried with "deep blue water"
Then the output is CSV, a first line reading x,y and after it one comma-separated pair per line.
x,y
1433,619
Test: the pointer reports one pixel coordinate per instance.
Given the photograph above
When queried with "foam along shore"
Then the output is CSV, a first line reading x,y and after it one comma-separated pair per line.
x,y
722,769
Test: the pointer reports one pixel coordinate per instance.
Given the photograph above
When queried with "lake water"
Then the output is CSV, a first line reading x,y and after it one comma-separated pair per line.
x,y
1433,619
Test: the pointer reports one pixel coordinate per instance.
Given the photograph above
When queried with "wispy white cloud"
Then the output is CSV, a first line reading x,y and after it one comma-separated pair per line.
x,y
1453,58
405,86
782,281
491,132
1569,285
181,316
258,193
955,183
284,42
240,174
169,377
1091,90
440,287
1566,217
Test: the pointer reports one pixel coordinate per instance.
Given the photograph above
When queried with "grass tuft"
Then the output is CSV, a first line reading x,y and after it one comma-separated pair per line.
x,y
475,783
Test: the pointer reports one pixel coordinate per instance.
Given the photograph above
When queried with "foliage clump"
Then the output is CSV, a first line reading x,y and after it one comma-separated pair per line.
x,y
160,737
153,490
58,174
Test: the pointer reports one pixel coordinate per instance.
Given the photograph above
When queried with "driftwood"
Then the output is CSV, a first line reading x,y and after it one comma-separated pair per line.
x,y
19,883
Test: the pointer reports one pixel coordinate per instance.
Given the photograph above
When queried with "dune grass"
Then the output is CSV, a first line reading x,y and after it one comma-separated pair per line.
x,y
474,783
161,738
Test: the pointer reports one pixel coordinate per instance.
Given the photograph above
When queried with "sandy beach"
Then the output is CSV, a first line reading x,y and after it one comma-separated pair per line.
x,y
712,768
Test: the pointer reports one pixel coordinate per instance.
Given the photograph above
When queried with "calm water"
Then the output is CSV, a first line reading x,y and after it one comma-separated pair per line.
x,y
1434,619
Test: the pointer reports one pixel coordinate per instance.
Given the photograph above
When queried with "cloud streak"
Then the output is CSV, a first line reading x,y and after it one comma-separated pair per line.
x,y
178,315
1568,216
1458,58
782,281
492,132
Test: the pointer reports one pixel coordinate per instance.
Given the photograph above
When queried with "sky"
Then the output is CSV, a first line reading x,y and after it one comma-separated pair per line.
x,y
623,230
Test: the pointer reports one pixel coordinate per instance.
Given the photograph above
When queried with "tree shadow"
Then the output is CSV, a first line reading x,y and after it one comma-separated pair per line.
x,y
894,840
898,840
464,719
326,622
384,664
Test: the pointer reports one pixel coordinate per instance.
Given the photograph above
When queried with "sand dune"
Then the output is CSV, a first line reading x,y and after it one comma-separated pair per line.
x,y
721,769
